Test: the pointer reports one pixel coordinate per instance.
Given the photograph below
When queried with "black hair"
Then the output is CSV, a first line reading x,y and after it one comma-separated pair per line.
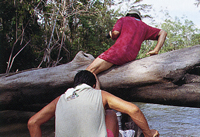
x,y
84,76
134,15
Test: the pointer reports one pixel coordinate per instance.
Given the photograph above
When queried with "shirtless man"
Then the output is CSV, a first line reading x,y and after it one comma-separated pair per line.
x,y
80,111
129,33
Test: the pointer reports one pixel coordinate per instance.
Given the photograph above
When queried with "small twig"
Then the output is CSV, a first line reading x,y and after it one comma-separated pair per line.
x,y
8,65
17,54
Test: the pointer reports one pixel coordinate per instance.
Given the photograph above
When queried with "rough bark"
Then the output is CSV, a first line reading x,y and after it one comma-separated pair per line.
x,y
169,78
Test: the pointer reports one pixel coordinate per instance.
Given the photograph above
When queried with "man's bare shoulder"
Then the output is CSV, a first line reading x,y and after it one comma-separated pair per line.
x,y
105,93
108,96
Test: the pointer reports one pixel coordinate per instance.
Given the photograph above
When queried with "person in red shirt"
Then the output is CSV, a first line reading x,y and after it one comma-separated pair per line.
x,y
129,33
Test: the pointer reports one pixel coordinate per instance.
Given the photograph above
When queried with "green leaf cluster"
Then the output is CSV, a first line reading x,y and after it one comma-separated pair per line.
x,y
180,34
18,26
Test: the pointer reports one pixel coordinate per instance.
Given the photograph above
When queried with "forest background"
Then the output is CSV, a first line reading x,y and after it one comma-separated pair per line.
x,y
47,33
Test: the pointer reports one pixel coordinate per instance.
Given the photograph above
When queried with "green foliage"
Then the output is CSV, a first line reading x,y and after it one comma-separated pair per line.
x,y
82,25
180,34
18,25
92,31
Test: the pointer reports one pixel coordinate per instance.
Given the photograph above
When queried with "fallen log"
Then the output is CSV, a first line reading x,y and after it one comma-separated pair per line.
x,y
170,78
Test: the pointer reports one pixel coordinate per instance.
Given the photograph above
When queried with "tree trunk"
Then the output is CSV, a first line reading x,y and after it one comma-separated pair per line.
x,y
169,78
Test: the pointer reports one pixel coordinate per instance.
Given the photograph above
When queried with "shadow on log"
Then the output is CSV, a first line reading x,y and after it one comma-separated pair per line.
x,y
170,78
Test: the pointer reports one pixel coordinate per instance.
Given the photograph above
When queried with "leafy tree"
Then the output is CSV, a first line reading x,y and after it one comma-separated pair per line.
x,y
180,34
78,26
18,27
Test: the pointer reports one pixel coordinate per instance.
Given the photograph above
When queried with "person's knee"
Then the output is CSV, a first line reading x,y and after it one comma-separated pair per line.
x,y
94,65
98,65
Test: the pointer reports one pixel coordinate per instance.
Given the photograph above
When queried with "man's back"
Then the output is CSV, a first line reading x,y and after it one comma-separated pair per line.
x,y
82,116
74,118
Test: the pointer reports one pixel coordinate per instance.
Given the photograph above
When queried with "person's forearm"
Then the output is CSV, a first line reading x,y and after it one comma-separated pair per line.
x,y
140,120
162,36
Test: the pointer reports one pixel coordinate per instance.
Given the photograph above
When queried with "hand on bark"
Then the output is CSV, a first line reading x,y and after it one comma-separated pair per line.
x,y
152,53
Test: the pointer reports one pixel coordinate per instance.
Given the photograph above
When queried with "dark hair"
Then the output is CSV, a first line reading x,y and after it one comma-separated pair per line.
x,y
84,76
134,15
